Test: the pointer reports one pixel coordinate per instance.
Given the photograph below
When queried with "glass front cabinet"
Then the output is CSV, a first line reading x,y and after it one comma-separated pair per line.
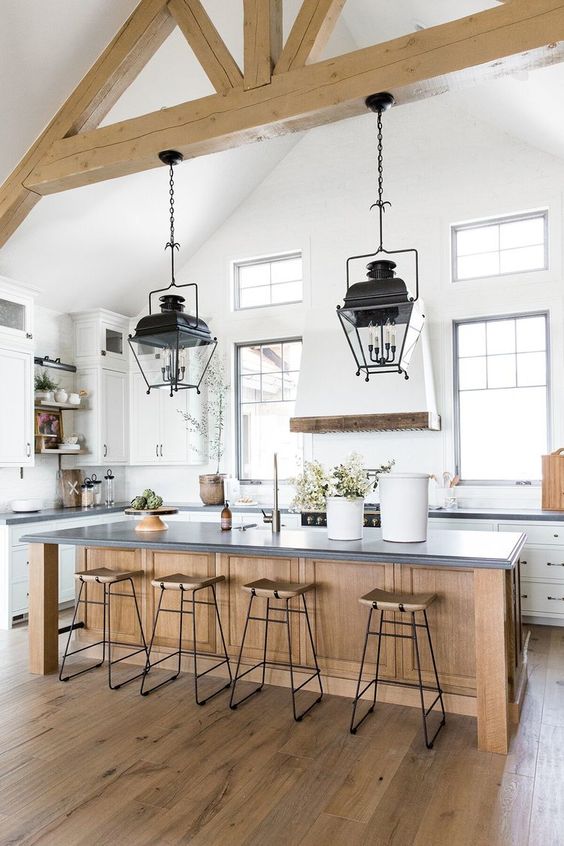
x,y
16,315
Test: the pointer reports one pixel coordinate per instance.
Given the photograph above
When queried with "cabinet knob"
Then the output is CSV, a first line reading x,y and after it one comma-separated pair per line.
x,y
524,596
29,336
102,352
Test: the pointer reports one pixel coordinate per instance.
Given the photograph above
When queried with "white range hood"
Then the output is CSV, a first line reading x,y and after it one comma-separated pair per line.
x,y
331,398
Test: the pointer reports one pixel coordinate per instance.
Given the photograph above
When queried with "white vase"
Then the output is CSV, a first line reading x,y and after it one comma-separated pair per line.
x,y
345,518
61,396
404,506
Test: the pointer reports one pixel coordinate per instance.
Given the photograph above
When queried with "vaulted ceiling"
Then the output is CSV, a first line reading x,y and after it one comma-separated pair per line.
x,y
101,245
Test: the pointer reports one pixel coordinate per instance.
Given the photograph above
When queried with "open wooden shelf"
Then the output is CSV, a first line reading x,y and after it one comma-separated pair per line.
x,y
399,422
43,404
62,452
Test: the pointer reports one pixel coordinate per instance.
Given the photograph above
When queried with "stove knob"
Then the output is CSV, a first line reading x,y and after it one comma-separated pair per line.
x,y
320,521
365,521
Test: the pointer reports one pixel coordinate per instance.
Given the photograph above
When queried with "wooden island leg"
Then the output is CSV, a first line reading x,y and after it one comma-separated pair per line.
x,y
43,608
491,661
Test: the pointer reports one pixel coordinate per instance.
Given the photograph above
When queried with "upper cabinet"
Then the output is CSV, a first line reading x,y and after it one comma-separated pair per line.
x,y
16,315
16,421
100,337
158,430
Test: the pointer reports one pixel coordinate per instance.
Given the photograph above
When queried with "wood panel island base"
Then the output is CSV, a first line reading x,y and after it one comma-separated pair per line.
x,y
475,621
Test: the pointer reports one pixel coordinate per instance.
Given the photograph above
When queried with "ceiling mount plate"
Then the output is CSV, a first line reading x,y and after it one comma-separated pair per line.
x,y
380,102
171,157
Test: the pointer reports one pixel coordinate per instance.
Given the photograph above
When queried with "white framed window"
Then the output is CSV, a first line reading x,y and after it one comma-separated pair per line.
x,y
266,385
275,280
500,246
502,397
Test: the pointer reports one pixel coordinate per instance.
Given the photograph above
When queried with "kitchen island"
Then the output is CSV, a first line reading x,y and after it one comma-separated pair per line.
x,y
475,622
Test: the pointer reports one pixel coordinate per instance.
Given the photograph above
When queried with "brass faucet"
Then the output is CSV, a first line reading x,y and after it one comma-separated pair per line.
x,y
274,517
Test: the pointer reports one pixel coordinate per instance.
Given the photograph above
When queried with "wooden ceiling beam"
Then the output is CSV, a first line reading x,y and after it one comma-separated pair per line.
x,y
514,36
209,48
262,32
138,39
310,33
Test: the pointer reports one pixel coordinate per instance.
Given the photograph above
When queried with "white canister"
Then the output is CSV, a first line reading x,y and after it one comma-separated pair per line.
x,y
345,518
61,395
74,399
404,507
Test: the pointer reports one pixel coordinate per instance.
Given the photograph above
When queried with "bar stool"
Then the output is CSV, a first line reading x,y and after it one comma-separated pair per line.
x,y
107,578
191,585
284,591
381,600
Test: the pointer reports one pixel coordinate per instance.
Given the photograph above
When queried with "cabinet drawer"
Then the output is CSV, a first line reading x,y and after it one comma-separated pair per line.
x,y
537,534
438,522
20,597
543,563
542,598
19,561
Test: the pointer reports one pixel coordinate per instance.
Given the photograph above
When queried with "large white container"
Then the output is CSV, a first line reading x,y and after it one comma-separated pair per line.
x,y
404,506
345,518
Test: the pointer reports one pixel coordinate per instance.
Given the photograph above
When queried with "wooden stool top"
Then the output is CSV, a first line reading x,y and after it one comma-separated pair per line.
x,y
179,581
106,576
385,600
276,590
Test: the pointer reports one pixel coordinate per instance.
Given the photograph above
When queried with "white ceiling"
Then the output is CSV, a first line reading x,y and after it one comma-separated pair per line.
x,y
102,245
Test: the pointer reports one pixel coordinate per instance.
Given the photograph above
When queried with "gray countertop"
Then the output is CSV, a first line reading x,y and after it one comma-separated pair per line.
x,y
449,548
8,518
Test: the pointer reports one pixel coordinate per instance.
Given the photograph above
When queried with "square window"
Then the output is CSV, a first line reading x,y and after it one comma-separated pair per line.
x,y
501,398
274,281
512,244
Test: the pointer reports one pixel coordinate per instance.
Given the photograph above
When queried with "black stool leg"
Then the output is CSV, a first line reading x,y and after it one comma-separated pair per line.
x,y
232,704
426,711
359,692
418,668
195,652
299,717
144,690
222,637
66,653
439,689
108,590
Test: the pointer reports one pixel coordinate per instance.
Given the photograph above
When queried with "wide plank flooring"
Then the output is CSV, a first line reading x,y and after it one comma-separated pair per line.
x,y
81,765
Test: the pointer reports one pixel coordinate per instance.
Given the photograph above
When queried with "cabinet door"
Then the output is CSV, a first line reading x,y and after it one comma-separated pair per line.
x,y
114,344
173,442
16,423
15,317
67,555
145,423
114,426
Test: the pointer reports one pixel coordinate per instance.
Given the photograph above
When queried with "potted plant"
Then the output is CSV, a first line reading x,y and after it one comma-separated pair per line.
x,y
211,427
341,492
44,386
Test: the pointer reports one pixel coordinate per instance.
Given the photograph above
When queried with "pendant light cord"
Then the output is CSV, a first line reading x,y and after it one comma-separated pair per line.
x,y
381,203
172,243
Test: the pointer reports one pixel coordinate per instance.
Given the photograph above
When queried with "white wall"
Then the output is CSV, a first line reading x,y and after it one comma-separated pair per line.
x,y
442,166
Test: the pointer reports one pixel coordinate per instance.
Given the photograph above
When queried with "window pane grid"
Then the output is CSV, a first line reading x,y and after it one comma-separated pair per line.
x,y
508,245
269,282
501,398
264,415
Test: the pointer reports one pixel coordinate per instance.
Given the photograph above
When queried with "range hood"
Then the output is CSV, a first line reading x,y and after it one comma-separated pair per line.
x,y
331,398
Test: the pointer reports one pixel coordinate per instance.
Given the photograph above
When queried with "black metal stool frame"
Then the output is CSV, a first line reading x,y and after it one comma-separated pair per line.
x,y
107,634
413,625
194,651
286,610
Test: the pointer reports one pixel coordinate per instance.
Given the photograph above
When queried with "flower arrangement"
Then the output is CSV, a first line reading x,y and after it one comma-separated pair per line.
x,y
349,480
43,382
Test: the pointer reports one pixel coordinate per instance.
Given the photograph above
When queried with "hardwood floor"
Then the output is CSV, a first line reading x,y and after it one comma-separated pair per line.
x,y
82,765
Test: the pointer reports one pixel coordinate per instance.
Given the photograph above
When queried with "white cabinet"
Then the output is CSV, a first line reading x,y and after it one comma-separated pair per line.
x,y
100,338
158,429
16,419
16,315
14,563
104,422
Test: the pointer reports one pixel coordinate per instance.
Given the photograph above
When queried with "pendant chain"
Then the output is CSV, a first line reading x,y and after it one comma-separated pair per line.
x,y
172,243
380,159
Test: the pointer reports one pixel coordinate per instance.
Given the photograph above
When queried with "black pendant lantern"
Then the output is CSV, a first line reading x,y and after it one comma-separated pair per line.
x,y
182,342
382,321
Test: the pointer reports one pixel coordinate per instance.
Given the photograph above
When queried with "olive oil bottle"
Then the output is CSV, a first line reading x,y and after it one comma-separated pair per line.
x,y
226,518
